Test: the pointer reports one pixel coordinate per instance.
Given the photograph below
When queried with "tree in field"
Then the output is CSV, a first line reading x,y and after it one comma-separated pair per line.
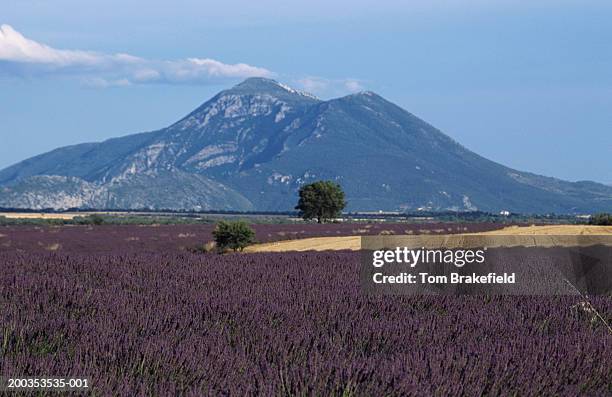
x,y
233,234
321,200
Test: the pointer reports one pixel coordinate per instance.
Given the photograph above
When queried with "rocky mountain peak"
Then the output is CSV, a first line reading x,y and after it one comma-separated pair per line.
x,y
262,86
253,145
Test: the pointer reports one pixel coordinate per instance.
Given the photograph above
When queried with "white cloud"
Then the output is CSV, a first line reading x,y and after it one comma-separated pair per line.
x,y
103,70
99,82
313,84
329,87
21,55
217,68
353,85
14,47
144,75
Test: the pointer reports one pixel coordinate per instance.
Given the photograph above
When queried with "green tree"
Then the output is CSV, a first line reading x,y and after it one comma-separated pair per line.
x,y
233,234
321,200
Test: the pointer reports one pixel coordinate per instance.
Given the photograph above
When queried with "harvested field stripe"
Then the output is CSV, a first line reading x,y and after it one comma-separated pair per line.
x,y
353,243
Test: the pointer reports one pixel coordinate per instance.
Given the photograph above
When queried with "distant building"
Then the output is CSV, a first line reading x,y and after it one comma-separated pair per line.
x,y
504,213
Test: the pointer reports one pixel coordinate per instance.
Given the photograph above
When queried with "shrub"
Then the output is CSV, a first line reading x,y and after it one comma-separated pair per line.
x,y
233,234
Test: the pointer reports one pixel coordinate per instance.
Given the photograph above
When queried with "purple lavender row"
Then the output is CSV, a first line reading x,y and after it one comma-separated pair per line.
x,y
282,324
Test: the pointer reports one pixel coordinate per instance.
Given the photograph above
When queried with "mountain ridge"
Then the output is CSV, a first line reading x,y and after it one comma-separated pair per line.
x,y
251,146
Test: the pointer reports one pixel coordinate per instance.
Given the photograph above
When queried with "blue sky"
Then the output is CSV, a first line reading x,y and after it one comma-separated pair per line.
x,y
527,85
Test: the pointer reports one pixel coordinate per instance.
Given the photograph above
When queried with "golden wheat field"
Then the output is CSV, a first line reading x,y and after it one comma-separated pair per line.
x,y
353,243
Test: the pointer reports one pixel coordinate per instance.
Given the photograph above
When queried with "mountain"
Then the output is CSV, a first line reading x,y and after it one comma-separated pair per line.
x,y
252,146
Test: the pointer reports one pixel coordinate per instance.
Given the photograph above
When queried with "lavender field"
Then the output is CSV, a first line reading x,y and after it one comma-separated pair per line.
x,y
160,321
178,238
